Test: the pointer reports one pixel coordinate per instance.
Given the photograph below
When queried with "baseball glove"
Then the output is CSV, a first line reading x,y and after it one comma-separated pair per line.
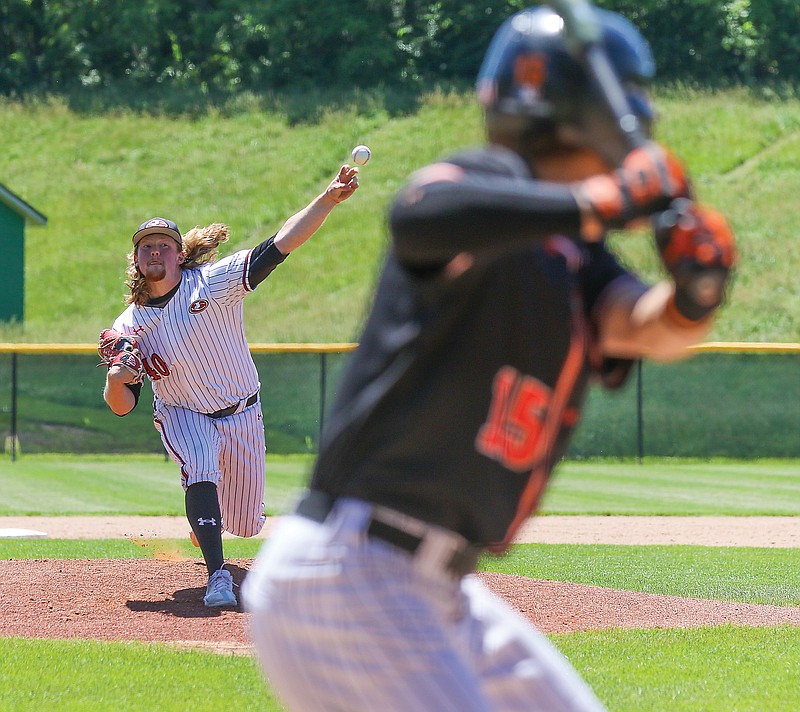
x,y
118,349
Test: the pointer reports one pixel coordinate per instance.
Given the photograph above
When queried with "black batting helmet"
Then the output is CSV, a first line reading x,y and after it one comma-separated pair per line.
x,y
531,85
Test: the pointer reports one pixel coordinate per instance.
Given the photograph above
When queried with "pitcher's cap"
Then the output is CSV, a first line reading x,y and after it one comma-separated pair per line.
x,y
160,226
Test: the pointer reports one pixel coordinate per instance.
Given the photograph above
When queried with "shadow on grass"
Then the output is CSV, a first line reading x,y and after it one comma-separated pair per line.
x,y
305,105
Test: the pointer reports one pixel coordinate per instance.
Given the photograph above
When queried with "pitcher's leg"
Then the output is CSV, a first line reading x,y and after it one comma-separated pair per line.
x,y
194,443
242,462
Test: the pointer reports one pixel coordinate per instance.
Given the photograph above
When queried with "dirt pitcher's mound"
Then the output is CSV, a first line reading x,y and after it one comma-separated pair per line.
x,y
556,607
161,600
116,599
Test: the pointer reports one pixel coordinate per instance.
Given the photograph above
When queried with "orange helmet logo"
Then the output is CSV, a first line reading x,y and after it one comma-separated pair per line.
x,y
530,70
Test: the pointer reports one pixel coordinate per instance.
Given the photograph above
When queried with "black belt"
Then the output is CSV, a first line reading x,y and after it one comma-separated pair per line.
x,y
460,561
235,408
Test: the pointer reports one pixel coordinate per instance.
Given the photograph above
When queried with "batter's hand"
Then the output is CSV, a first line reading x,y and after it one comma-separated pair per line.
x,y
344,185
649,178
120,354
698,249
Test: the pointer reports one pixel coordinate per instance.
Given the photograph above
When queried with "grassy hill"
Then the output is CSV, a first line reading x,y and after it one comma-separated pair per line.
x,y
98,175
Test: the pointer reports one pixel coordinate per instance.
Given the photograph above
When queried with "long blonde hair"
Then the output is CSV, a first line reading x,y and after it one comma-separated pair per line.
x,y
200,246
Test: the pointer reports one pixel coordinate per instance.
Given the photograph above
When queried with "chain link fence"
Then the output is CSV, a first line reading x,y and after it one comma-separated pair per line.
x,y
740,401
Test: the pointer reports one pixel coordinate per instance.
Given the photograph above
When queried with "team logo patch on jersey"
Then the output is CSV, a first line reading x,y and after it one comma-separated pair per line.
x,y
198,305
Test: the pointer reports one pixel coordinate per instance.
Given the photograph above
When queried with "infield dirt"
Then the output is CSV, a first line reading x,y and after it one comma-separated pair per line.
x,y
633,530
161,599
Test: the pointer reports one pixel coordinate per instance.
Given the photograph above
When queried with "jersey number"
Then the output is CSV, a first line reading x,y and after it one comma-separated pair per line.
x,y
156,367
516,418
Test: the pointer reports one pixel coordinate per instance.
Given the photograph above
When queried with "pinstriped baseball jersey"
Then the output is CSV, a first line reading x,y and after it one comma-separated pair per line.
x,y
194,348
198,361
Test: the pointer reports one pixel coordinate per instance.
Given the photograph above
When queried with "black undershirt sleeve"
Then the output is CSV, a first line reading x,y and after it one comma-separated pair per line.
x,y
493,206
264,258
136,389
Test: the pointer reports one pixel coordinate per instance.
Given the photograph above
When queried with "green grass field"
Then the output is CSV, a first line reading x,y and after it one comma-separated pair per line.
x,y
101,484
148,485
97,176
716,669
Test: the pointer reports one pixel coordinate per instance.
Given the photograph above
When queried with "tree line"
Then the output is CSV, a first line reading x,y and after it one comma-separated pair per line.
x,y
57,46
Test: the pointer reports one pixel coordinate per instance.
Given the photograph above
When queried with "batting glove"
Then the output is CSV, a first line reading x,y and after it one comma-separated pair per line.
x,y
698,249
649,178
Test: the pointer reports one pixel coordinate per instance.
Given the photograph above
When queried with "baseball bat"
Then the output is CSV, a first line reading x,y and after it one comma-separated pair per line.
x,y
583,36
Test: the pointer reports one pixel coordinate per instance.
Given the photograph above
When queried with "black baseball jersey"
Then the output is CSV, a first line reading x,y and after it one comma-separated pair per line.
x,y
474,360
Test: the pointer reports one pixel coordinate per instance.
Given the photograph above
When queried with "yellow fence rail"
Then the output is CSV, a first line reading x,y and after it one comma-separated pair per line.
x,y
254,348
323,348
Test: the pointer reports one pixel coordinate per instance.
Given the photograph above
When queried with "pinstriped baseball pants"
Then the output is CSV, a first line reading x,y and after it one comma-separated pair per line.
x,y
226,451
347,623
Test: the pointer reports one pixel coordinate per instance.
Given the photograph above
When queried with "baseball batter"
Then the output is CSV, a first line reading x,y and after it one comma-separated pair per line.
x,y
497,303
184,329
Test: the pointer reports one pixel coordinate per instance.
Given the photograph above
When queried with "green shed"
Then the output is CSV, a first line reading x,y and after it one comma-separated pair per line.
x,y
14,214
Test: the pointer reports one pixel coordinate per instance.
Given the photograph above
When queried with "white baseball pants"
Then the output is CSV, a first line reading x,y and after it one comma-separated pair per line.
x,y
343,622
226,451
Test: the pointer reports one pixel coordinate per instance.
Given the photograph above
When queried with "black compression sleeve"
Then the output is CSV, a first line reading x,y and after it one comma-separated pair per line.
x,y
136,389
264,258
203,513
485,210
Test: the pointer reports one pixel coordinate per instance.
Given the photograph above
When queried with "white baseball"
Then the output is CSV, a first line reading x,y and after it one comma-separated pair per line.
x,y
361,154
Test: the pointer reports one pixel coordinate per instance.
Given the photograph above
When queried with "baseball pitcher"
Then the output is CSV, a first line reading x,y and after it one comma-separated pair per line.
x,y
184,330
